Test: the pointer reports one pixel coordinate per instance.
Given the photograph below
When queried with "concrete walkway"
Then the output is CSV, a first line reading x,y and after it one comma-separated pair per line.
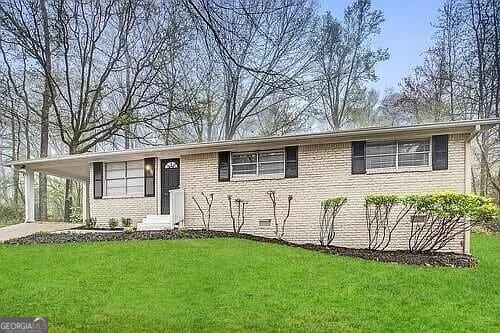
x,y
24,229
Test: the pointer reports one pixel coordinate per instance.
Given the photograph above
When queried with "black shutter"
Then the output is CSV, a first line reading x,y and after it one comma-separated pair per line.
x,y
291,162
224,166
358,160
440,152
98,180
149,177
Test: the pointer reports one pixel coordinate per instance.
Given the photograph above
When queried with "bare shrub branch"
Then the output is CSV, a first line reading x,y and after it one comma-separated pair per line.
x,y
279,230
239,221
205,213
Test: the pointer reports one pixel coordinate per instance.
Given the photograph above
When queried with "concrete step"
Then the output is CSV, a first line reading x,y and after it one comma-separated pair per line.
x,y
159,218
146,226
154,222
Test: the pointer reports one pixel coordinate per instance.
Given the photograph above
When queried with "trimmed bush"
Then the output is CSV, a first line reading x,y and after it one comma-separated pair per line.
x,y
112,223
379,223
436,218
76,215
126,221
329,211
439,217
90,223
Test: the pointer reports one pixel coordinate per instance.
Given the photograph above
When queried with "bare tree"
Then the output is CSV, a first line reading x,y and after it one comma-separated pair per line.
x,y
26,25
106,59
344,60
262,47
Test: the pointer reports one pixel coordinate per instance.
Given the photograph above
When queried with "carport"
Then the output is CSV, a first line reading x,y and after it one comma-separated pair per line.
x,y
76,168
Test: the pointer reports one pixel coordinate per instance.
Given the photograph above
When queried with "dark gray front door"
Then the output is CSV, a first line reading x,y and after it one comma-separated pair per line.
x,y
170,180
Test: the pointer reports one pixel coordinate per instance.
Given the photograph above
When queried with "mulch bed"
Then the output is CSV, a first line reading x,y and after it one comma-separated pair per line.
x,y
404,257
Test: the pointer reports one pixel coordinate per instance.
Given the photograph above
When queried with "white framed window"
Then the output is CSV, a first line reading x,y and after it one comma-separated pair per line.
x,y
248,164
125,178
414,153
396,154
381,155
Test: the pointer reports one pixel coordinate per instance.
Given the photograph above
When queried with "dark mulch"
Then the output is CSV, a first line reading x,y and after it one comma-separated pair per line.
x,y
405,257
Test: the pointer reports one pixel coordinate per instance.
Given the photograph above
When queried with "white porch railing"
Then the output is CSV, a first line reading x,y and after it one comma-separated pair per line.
x,y
177,208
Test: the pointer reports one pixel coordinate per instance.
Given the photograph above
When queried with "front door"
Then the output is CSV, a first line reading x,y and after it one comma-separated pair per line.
x,y
170,180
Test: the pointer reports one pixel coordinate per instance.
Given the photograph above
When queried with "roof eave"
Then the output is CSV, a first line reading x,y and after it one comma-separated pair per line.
x,y
373,133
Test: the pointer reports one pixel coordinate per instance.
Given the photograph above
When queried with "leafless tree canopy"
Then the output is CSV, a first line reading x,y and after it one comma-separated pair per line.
x,y
78,76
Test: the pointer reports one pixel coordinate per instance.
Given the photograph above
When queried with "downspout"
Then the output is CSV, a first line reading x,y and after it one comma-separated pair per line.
x,y
468,178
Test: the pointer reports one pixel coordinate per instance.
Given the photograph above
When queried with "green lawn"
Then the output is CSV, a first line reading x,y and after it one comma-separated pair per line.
x,y
227,285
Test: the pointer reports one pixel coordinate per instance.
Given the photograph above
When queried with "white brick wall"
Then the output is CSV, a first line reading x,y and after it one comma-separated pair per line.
x,y
324,171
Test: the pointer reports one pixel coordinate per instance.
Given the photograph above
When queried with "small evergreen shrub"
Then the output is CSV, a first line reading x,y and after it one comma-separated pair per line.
x,y
90,223
75,215
112,223
126,221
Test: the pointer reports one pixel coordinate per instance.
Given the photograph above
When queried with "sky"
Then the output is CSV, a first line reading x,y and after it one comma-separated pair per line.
x,y
406,32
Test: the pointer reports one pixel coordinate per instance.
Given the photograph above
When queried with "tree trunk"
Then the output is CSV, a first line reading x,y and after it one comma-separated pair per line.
x,y
15,178
44,123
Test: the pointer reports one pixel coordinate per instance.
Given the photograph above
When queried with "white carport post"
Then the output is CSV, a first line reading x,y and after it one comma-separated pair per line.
x,y
29,195
85,201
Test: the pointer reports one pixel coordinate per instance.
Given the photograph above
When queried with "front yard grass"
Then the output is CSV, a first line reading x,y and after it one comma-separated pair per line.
x,y
228,285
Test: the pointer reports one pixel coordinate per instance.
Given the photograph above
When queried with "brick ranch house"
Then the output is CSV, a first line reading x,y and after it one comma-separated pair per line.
x,y
154,186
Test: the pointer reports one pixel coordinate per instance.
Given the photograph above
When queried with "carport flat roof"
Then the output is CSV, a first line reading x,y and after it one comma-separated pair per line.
x,y
78,166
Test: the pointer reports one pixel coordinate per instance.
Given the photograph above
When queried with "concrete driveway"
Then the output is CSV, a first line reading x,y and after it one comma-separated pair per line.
x,y
24,229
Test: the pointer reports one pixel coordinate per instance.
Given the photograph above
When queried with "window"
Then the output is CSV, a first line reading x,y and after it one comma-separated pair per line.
x,y
413,153
149,177
98,177
258,163
381,155
397,154
124,178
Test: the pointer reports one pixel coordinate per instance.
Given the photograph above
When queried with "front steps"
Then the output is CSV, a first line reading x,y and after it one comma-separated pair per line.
x,y
155,222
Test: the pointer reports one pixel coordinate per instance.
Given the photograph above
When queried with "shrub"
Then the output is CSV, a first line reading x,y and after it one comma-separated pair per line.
x,y
112,223
128,230
379,223
11,214
329,210
279,230
239,220
126,221
439,217
90,223
75,215
205,215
